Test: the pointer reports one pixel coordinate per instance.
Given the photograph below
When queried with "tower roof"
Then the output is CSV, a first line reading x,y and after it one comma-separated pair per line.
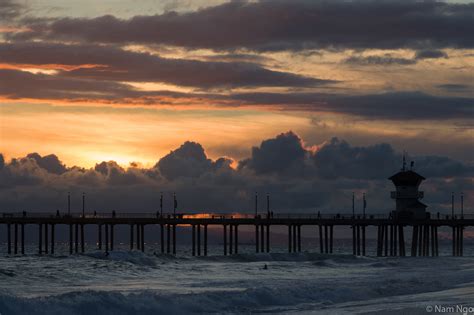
x,y
407,178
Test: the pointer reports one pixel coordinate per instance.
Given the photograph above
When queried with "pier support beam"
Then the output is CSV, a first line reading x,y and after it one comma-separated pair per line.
x,y
142,237
9,243
40,239
268,238
111,237
198,230
231,239
76,238
358,239
162,238
363,240
331,238
402,240
168,236
354,249
22,239
326,249
414,240
193,240
236,238
321,240
257,240
99,236
106,238
82,238
174,239
70,239
205,239
15,239
225,239
52,238
131,237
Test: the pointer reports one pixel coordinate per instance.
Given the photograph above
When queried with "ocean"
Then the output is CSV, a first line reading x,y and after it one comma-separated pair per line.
x,y
132,282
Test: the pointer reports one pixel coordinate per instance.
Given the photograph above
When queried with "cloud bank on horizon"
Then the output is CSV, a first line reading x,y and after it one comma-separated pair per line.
x,y
297,177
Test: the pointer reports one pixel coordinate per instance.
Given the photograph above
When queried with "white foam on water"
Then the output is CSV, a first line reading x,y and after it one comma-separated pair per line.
x,y
125,282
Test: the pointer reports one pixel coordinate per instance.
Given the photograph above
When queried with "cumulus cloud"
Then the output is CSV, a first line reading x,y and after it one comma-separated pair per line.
x,y
297,178
283,154
281,25
339,159
189,160
50,163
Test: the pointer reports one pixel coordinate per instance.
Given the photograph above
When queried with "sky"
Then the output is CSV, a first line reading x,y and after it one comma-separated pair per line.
x,y
216,100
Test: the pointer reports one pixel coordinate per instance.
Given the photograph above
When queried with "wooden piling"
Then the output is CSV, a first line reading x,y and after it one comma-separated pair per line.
x,y
9,244
70,239
142,237
268,239
289,239
193,239
40,240
414,240
326,249
168,238
131,237
262,238
76,238
331,238
236,238
99,236
46,251
162,238
231,239
379,240
82,239
257,241
111,237
174,239
198,231
106,238
205,239
22,239
358,240
225,239
363,240
295,239
15,239
402,240
354,240
52,239
386,240
321,238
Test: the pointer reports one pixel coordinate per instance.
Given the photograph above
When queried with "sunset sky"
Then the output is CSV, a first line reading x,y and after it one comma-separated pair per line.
x,y
305,99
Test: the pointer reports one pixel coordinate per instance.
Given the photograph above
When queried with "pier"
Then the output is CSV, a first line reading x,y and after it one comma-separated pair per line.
x,y
391,232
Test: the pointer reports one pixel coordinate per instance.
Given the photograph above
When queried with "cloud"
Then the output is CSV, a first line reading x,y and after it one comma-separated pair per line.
x,y
189,160
281,25
430,54
10,9
284,154
95,62
393,106
385,60
297,178
50,163
338,159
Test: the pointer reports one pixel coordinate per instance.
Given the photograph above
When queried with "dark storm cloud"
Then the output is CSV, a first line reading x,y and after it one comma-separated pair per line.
x,y
430,54
50,163
393,106
332,172
385,60
284,154
282,25
339,159
116,64
189,160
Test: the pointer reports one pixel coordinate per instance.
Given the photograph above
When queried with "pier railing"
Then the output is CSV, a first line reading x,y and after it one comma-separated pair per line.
x,y
189,215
